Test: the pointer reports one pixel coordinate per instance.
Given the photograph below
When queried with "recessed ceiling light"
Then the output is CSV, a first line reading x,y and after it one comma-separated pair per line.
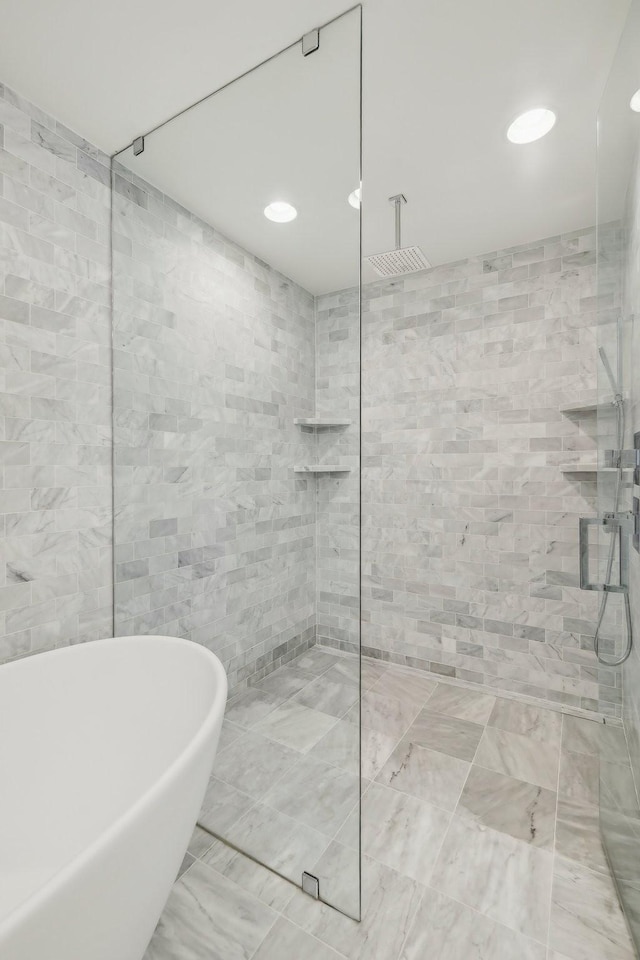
x,y
531,125
280,211
354,197
635,102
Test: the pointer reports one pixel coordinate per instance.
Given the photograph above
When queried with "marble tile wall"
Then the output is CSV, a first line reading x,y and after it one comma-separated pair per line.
x,y
469,524
55,403
338,495
213,359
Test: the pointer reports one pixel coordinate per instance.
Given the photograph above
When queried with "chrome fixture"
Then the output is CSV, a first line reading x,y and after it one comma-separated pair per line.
x,y
395,263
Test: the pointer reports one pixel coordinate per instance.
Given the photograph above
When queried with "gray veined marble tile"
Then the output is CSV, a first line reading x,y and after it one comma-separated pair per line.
x,y
446,930
586,919
246,709
252,764
457,738
387,715
341,748
579,777
296,726
518,756
401,831
424,773
316,660
522,810
389,902
317,794
263,883
503,878
578,834
285,682
230,732
285,941
527,720
223,804
286,845
621,839
328,696
587,736
461,703
618,789
207,916
199,843
409,686
338,873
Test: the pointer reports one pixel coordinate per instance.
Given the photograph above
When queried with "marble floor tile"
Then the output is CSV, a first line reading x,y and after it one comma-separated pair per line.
x,y
209,916
328,696
338,872
341,747
253,764
461,703
223,804
527,720
505,879
372,670
187,861
316,660
389,902
285,941
401,831
264,884
424,773
317,794
446,930
406,686
579,777
630,897
621,839
296,726
522,810
387,715
578,834
519,756
587,736
586,919
229,733
345,670
251,706
272,838
199,843
618,789
456,738
285,682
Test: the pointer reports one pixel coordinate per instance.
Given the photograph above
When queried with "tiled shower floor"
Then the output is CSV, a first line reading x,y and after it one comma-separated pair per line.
x,y
480,827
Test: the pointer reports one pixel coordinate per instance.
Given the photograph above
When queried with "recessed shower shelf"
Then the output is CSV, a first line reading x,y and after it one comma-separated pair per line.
x,y
594,406
322,468
321,422
588,468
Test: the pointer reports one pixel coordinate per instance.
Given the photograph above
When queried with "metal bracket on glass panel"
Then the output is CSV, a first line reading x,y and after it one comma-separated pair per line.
x,y
310,42
311,885
138,146
623,524
628,459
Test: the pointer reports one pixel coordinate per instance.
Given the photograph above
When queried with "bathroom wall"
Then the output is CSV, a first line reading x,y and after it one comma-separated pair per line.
x,y
55,407
214,358
469,526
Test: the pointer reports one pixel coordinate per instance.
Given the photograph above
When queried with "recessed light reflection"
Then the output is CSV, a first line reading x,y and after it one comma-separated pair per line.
x,y
531,125
355,197
280,211
634,103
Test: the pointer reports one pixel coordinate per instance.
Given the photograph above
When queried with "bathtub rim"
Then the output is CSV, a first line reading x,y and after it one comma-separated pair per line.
x,y
216,712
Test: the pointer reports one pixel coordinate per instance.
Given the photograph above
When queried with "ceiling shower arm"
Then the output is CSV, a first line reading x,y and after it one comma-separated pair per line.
x,y
398,200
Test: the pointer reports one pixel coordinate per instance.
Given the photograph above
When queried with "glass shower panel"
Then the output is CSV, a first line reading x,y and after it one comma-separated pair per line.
x,y
237,437
618,419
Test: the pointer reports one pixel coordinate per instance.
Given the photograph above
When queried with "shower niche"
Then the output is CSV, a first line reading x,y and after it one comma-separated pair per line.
x,y
237,438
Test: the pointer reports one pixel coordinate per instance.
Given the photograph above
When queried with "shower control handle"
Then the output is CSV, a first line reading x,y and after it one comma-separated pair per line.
x,y
622,524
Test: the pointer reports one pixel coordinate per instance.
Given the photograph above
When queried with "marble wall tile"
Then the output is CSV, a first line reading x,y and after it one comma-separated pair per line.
x,y
55,398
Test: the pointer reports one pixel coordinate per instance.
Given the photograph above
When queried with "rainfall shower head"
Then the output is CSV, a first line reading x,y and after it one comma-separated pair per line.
x,y
395,263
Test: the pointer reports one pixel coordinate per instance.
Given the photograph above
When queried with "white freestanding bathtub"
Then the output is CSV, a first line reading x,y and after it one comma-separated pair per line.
x,y
105,753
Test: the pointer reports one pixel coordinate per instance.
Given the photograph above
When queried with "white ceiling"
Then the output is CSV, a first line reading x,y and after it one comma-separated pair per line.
x,y
442,81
